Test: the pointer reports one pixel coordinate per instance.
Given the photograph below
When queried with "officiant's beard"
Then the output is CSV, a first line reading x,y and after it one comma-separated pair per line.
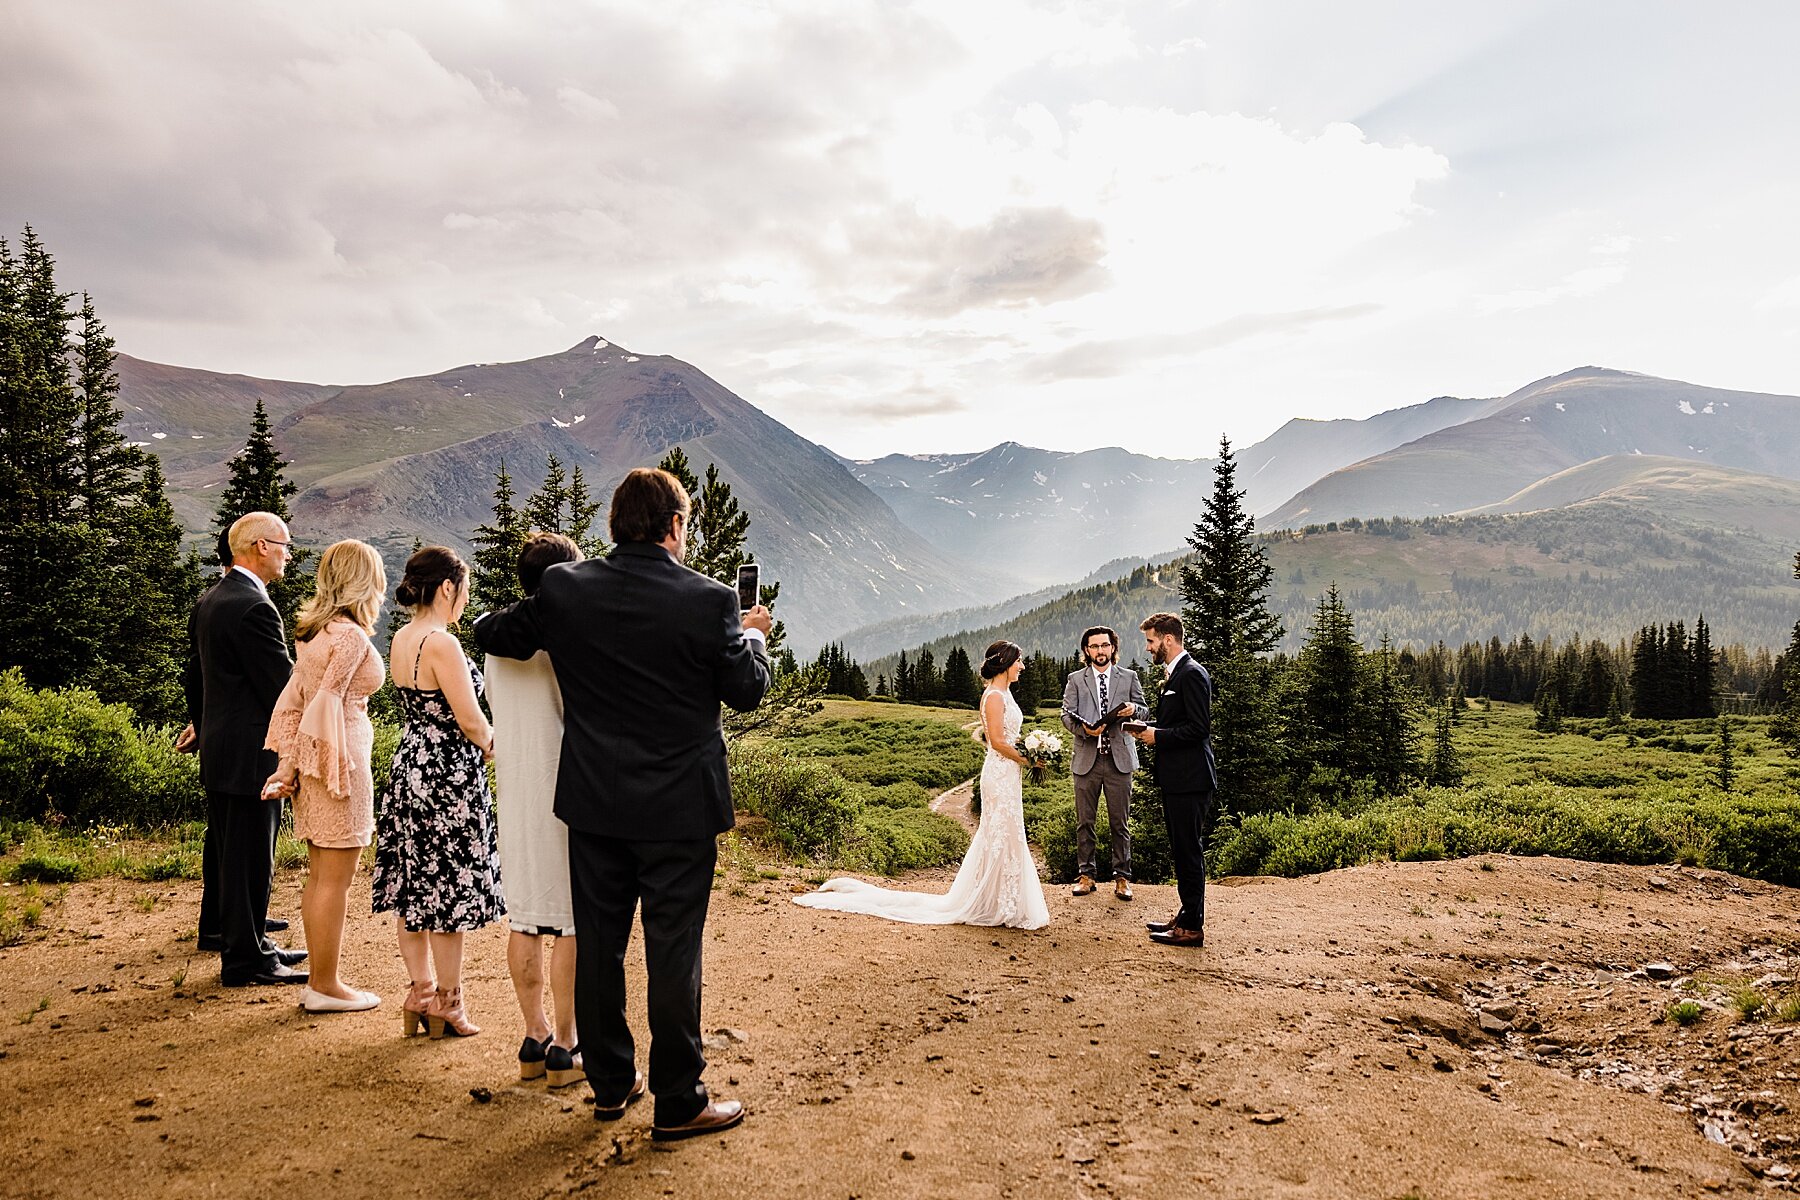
x,y
1099,659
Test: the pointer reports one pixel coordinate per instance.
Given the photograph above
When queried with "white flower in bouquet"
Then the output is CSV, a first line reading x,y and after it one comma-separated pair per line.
x,y
1041,748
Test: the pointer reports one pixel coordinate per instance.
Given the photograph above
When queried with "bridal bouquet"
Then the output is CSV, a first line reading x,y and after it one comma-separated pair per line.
x,y
1042,750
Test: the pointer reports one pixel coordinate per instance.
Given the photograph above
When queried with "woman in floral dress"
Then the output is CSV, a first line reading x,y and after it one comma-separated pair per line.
x,y
437,859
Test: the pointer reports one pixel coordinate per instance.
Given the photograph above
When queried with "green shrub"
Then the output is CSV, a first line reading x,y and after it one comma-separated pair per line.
x,y
1750,1003
67,756
1686,1012
810,808
1050,824
932,754
181,862
42,867
387,739
891,840
896,795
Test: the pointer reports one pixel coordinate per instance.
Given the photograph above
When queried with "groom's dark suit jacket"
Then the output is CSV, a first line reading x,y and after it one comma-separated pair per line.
x,y
1184,754
644,650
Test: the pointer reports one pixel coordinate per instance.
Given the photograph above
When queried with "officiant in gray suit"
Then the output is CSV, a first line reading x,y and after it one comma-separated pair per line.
x,y
1095,699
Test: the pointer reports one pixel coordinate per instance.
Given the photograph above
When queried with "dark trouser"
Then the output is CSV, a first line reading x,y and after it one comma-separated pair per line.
x,y
674,880
1106,777
246,870
212,853
1189,817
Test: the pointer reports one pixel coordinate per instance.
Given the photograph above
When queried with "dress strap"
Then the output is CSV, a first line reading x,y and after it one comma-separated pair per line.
x,y
417,658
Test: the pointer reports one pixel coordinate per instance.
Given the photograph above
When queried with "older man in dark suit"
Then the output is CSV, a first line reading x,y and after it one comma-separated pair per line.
x,y
645,650
238,666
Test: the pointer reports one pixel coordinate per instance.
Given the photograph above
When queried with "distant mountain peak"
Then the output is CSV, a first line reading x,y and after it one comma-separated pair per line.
x,y
591,343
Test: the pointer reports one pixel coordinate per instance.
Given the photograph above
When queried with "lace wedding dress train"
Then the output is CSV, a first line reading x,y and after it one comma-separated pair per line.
x,y
997,883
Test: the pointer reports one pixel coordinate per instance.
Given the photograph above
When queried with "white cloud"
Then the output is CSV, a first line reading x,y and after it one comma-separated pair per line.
x,y
852,209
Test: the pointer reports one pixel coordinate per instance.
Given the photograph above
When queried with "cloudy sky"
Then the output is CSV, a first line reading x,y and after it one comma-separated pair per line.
x,y
931,225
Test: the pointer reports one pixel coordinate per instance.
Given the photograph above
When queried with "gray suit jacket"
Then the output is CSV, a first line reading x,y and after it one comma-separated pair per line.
x,y
1080,698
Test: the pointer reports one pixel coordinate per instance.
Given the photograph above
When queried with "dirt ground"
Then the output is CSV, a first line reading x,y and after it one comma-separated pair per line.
x,y
1328,1042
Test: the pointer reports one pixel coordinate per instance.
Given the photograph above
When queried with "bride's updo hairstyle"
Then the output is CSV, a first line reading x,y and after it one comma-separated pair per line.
x,y
1000,657
429,568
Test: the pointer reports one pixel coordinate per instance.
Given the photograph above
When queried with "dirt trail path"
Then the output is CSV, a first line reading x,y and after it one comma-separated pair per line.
x,y
958,804
1327,1043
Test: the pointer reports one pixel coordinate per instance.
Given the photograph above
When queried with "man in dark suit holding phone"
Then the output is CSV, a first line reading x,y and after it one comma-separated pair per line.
x,y
645,650
1184,771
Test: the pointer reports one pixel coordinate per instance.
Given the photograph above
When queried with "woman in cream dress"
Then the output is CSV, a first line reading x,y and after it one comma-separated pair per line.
x,y
534,845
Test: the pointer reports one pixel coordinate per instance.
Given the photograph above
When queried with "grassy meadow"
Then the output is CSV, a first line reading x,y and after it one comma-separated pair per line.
x,y
850,790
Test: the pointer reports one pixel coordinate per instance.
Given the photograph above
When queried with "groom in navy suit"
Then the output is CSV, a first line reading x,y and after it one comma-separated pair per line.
x,y
1183,768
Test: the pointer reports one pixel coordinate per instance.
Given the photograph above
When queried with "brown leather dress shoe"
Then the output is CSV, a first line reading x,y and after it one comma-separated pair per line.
x,y
1083,886
716,1117
612,1112
1122,888
1162,926
1192,938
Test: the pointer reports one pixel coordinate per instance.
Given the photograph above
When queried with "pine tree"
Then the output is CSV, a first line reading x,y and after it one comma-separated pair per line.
x,y
961,686
1785,728
1727,768
257,484
903,677
150,641
494,573
1549,711
716,535
1646,673
1388,713
84,519
1445,769
1246,729
1224,590
51,560
583,509
881,684
1224,593
1323,686
1703,673
675,462
544,508
928,685
717,531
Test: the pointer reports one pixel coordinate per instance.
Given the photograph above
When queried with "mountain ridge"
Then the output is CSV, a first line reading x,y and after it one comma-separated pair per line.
x,y
1551,425
389,461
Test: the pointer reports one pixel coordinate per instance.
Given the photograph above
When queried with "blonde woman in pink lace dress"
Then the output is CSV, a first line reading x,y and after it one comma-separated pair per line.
x,y
322,732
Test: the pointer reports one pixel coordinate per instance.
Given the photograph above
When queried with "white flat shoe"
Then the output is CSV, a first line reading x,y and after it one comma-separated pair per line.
x,y
319,1002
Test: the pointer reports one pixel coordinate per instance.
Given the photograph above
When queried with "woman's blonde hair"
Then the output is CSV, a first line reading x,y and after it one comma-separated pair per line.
x,y
350,582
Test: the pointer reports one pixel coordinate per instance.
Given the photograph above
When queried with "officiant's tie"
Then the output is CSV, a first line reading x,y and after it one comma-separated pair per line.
x,y
1105,707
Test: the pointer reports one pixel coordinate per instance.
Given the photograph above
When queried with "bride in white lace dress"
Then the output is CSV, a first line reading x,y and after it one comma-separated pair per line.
x,y
997,883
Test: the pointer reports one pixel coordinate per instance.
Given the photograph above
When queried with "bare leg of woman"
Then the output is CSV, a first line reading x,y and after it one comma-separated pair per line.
x,y
415,952
562,989
322,908
447,1014
446,955
525,962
